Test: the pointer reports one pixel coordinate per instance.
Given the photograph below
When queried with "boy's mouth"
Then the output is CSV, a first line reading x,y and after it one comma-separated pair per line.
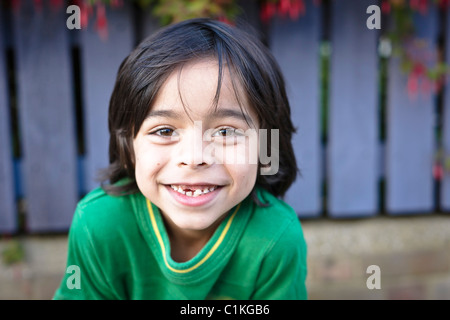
x,y
193,190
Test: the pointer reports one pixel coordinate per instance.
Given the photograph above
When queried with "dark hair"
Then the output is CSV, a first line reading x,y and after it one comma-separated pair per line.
x,y
146,68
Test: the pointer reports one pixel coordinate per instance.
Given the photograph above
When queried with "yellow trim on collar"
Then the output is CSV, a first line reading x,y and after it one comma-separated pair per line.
x,y
211,251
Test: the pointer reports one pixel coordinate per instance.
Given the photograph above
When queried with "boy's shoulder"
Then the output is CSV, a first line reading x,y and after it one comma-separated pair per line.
x,y
276,209
98,200
272,240
100,210
277,219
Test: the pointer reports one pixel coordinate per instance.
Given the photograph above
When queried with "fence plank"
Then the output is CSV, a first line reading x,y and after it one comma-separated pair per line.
x,y
7,205
148,23
100,60
410,136
295,45
352,136
445,190
46,117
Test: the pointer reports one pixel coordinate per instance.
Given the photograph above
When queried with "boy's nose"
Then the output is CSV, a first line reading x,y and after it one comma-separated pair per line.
x,y
191,149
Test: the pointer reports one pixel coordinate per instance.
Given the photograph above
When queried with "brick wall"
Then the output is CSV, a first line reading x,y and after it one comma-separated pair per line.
x,y
413,254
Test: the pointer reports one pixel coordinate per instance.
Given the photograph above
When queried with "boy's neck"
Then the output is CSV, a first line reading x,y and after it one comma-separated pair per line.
x,y
186,244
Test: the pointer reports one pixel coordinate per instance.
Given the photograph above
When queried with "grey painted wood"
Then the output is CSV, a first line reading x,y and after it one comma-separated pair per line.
x,y
46,117
295,45
7,202
445,189
410,144
353,122
100,63
149,23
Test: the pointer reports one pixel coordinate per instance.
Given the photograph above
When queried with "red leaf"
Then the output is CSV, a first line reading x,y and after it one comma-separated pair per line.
x,y
414,4
413,85
102,23
268,10
423,6
15,4
37,5
56,4
297,9
418,69
284,7
438,171
385,7
225,20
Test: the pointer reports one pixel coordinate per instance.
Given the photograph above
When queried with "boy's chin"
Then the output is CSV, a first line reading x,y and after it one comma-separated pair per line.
x,y
201,225
194,222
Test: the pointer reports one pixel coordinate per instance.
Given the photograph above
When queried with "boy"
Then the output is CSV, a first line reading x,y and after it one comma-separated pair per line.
x,y
184,211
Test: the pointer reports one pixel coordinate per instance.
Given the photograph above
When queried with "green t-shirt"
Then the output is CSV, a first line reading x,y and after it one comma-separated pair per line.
x,y
119,249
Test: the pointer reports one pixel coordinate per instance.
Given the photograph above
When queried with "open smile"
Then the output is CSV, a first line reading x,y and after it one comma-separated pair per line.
x,y
193,191
193,195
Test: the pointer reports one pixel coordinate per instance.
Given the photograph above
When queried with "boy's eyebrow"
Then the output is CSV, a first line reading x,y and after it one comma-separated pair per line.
x,y
163,114
231,113
217,113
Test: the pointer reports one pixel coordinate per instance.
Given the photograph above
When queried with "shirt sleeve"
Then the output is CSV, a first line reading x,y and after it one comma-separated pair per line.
x,y
283,271
84,278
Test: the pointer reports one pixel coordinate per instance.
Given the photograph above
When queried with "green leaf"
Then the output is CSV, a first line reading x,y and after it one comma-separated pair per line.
x,y
13,253
447,164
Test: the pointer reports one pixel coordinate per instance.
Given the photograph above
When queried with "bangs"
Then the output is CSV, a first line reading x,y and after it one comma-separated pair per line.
x,y
224,65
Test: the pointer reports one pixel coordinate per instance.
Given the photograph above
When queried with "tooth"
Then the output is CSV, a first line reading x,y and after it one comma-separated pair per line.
x,y
196,193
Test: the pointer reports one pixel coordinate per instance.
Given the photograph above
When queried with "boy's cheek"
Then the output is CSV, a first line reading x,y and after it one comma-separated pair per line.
x,y
247,175
242,152
147,164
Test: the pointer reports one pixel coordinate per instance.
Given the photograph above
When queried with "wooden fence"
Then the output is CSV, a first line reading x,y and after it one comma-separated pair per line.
x,y
55,86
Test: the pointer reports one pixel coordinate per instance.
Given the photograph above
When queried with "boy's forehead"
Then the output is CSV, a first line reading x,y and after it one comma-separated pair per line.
x,y
217,113
205,73
201,64
191,90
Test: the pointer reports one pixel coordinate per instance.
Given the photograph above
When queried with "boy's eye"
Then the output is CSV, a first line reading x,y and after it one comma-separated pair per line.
x,y
164,132
227,132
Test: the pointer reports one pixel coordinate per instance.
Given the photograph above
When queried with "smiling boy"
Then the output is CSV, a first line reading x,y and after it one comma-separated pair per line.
x,y
193,193
186,213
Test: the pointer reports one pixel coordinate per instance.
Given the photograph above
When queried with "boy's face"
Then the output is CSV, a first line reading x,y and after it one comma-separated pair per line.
x,y
193,161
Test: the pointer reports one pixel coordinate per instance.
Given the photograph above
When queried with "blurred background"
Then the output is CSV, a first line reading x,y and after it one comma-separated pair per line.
x,y
368,83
